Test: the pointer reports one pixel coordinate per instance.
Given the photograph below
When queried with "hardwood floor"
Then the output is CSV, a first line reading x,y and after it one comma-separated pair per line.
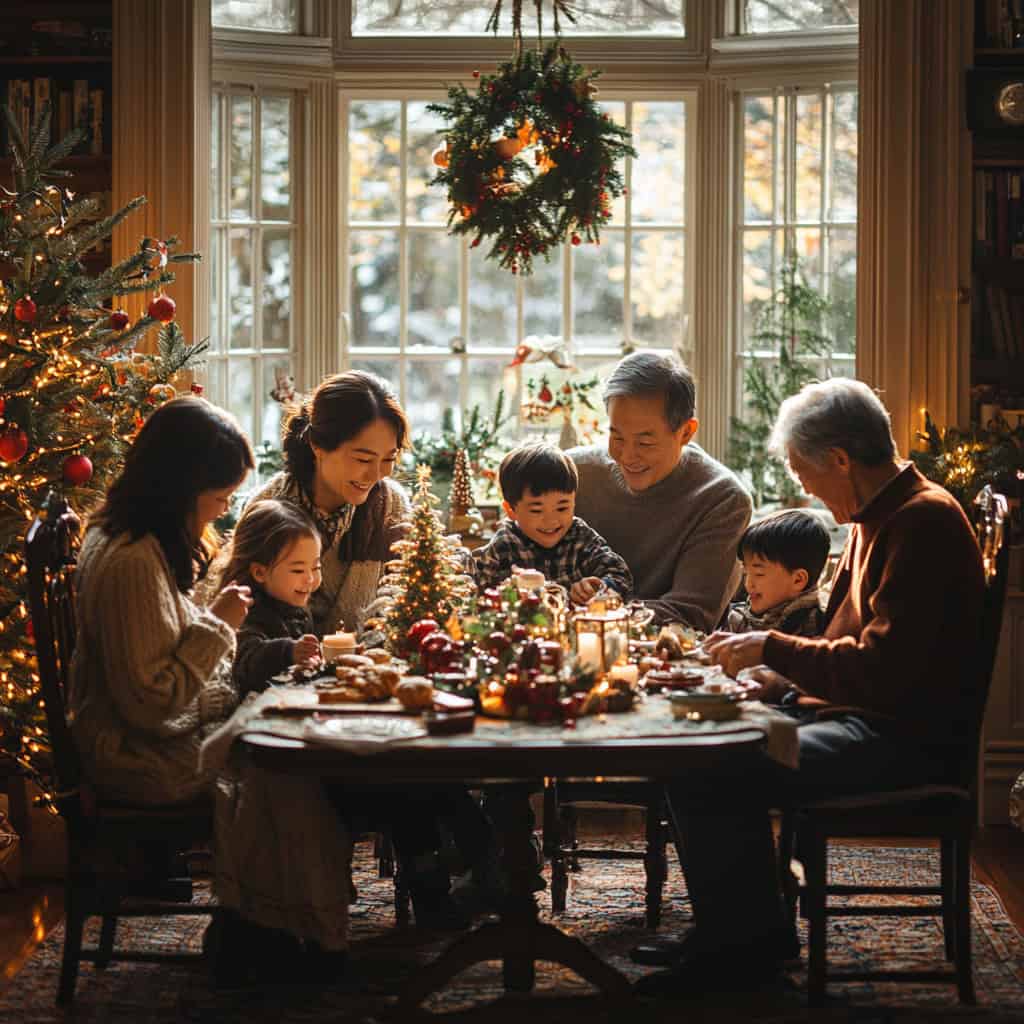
x,y
27,914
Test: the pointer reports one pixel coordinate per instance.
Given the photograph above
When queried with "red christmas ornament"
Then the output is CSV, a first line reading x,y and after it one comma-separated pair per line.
x,y
13,444
476,74
418,631
575,239
545,394
25,310
119,319
162,308
196,389
77,470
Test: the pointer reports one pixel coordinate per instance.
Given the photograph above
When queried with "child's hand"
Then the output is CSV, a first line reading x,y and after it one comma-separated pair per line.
x,y
232,604
306,650
583,590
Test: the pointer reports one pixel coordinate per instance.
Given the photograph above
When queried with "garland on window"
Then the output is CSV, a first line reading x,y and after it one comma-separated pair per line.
x,y
529,160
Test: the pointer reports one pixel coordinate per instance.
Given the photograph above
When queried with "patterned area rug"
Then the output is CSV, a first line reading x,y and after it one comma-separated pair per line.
x,y
605,908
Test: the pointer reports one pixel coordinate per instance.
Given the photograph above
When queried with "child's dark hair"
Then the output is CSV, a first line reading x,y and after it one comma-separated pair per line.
x,y
265,531
540,468
794,538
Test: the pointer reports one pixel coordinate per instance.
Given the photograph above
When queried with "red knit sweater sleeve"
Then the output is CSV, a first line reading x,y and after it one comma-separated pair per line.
x,y
899,642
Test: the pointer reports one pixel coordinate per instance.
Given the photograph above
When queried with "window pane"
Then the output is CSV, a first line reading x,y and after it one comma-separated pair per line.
x,y
492,303
843,287
844,157
277,287
542,297
386,369
599,276
486,378
659,170
423,203
216,269
616,110
758,153
374,138
808,249
432,387
798,15
240,289
215,154
469,17
276,177
808,156
373,268
256,15
757,277
657,288
240,393
433,289
241,158
272,409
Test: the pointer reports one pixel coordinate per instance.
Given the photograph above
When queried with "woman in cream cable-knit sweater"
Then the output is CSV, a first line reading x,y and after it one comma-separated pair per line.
x,y
151,679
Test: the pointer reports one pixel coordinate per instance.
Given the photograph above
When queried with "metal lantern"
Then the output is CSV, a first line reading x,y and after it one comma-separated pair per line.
x,y
602,633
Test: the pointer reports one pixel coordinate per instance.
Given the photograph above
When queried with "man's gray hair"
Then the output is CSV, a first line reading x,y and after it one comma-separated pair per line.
x,y
645,374
836,413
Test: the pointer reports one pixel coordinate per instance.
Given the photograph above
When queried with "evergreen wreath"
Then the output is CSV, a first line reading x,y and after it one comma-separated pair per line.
x,y
530,159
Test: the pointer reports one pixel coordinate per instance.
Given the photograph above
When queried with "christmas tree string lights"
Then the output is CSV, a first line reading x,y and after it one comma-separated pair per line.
x,y
73,392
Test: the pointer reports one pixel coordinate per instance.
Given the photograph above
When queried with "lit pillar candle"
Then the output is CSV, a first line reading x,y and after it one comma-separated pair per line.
x,y
627,673
588,647
338,643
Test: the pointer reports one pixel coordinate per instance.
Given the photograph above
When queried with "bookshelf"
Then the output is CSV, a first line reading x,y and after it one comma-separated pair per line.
x,y
62,52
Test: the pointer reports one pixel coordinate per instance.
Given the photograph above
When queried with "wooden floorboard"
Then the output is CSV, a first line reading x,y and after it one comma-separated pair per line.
x,y
27,914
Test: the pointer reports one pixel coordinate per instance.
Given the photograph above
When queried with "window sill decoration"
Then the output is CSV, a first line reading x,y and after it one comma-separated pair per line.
x,y
529,160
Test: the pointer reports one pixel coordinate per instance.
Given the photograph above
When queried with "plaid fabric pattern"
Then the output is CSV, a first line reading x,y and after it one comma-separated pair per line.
x,y
800,617
581,552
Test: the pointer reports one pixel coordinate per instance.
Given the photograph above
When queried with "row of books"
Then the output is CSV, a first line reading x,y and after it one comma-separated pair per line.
x,y
999,328
999,213
73,104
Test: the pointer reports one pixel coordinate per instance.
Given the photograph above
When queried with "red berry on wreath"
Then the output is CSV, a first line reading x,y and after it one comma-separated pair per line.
x,y
77,470
474,243
575,239
545,394
25,310
119,319
13,444
162,308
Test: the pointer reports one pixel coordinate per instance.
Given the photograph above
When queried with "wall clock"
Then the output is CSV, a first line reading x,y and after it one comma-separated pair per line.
x,y
995,101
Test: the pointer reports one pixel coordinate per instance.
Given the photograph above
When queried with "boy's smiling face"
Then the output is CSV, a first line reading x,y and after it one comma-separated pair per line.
x,y
544,518
770,583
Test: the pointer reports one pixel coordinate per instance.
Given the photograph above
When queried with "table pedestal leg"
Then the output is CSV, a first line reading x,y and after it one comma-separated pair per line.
x,y
519,939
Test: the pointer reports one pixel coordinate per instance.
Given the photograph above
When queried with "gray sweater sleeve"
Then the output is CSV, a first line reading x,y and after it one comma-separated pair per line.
x,y
707,571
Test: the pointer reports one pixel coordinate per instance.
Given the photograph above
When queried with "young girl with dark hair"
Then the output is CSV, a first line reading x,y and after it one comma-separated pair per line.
x,y
275,551
151,679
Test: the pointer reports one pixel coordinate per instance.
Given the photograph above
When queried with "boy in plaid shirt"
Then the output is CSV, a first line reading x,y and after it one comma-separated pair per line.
x,y
538,485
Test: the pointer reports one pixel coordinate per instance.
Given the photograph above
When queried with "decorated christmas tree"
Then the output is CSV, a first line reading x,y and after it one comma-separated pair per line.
x,y
427,582
460,500
73,392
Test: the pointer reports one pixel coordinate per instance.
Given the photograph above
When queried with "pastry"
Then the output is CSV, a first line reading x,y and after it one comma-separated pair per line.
x,y
352,661
332,693
415,693
389,676
377,655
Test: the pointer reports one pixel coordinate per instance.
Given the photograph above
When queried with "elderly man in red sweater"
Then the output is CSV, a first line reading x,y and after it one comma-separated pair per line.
x,y
885,686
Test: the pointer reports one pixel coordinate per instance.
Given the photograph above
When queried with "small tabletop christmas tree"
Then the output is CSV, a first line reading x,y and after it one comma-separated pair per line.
x,y
428,579
73,393
463,516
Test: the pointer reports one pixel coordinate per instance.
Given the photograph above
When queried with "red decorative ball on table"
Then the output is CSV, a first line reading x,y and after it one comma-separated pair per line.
x,y
13,444
419,631
25,310
77,470
162,308
119,319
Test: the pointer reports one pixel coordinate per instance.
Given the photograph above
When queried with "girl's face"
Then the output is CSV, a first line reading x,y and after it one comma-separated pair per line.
x,y
295,573
353,469
211,505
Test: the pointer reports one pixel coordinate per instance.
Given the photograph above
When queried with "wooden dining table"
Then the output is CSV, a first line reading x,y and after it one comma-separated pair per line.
x,y
640,745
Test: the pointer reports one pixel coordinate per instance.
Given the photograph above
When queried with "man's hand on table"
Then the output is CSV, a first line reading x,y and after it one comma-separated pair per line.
x,y
735,651
771,686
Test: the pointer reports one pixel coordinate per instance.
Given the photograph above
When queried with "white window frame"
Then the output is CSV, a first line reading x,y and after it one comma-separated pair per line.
x,y
592,356
709,61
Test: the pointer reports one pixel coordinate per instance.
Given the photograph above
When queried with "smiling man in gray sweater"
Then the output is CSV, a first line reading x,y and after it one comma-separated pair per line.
x,y
672,511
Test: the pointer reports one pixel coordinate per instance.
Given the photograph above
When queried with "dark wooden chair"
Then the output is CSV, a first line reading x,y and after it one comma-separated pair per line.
x,y
563,798
101,835
943,812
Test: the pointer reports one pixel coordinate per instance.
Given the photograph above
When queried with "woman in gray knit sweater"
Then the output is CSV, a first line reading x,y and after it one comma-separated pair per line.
x,y
151,679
